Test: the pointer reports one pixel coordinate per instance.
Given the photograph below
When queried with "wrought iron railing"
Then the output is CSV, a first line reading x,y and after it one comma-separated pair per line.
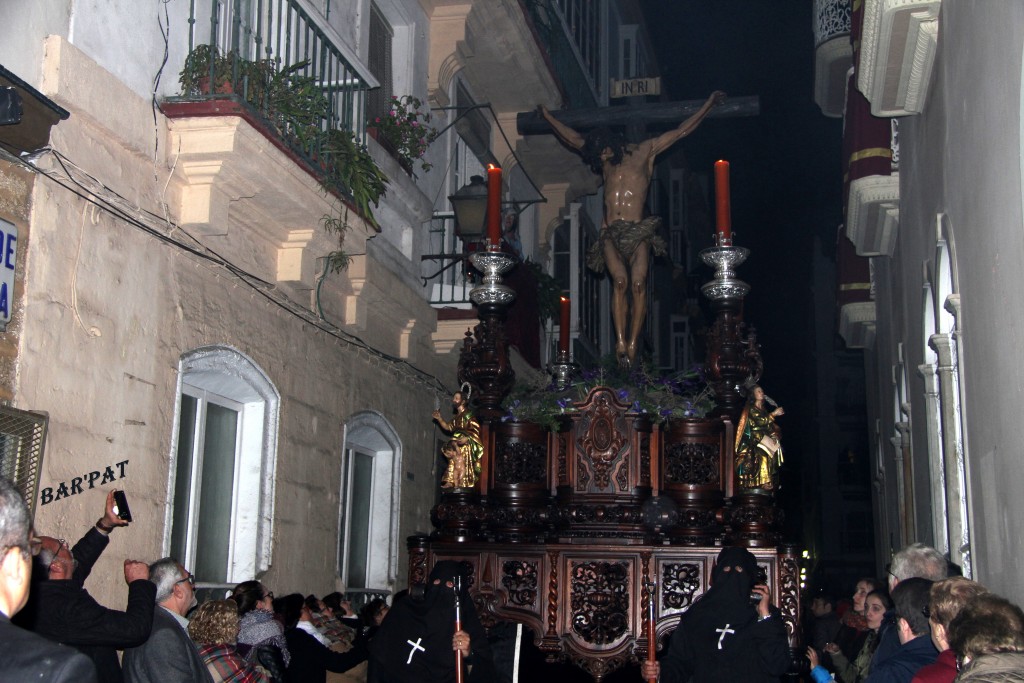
x,y
568,60
252,43
445,268
831,19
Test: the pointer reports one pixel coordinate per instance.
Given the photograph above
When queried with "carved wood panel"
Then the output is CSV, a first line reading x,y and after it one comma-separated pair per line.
x,y
587,603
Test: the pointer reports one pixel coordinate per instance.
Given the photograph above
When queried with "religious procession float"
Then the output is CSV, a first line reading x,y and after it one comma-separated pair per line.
x,y
592,510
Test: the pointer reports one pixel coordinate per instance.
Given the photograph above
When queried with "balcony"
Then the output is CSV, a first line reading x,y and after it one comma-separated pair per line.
x,y
897,53
832,54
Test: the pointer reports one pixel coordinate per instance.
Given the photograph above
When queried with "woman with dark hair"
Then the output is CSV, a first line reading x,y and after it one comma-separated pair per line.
x,y
310,659
373,613
876,604
260,637
853,625
214,629
339,636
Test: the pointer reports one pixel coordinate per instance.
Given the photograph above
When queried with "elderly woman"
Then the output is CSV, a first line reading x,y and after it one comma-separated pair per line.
x,y
214,630
946,600
988,639
260,636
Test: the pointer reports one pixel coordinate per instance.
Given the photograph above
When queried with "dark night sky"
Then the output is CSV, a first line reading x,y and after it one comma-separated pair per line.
x,y
785,169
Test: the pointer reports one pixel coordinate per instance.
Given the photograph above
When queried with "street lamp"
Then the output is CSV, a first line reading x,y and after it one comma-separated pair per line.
x,y
470,206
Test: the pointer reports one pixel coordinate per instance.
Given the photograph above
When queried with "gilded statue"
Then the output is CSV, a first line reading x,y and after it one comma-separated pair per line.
x,y
758,450
627,237
464,449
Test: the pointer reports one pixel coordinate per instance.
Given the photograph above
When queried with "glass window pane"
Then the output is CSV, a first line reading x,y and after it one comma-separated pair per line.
x,y
213,532
183,476
361,493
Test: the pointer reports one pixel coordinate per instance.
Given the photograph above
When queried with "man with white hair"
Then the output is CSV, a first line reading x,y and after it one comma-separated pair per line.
x,y
169,656
917,560
25,656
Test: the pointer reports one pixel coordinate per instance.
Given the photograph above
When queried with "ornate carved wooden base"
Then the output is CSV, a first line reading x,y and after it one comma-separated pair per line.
x,y
587,603
459,516
565,529
753,519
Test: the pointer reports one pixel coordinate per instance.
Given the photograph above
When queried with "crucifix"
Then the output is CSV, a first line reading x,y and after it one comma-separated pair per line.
x,y
723,631
415,646
627,236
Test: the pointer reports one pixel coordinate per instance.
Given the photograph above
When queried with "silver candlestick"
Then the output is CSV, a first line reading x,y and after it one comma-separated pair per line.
x,y
562,369
724,285
493,264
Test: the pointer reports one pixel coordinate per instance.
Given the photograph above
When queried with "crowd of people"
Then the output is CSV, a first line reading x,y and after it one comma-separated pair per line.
x,y
926,627
51,629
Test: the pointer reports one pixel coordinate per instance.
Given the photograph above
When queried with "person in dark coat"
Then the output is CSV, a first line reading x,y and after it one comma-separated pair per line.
x,y
64,612
417,639
916,649
311,659
25,656
723,638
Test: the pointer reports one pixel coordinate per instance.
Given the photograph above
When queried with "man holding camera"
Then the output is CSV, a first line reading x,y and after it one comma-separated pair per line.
x,y
731,634
63,611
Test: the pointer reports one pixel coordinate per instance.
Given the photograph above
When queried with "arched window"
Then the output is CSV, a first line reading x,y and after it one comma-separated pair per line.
x,y
370,494
222,467
933,420
946,344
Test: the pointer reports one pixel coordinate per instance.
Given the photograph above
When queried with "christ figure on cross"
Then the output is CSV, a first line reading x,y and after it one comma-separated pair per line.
x,y
627,237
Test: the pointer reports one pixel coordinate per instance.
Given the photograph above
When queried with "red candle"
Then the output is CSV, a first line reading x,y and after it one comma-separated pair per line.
x,y
563,326
493,205
723,218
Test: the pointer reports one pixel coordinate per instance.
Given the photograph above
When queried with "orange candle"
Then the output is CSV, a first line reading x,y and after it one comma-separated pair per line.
x,y
723,217
563,326
494,204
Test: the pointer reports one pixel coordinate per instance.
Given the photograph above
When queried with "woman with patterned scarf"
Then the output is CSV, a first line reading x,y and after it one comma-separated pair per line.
x,y
260,636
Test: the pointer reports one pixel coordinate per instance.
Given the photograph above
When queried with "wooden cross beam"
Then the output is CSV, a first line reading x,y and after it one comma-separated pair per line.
x,y
657,114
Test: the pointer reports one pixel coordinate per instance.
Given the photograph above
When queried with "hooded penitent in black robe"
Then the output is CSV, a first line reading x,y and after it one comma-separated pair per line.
x,y
414,643
720,639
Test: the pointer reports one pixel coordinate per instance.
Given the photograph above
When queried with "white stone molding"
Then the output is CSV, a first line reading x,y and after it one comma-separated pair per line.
x,y
897,53
857,324
295,262
936,471
952,445
873,213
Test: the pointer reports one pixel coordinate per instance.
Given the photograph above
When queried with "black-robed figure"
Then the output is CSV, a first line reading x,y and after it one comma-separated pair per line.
x,y
416,641
723,637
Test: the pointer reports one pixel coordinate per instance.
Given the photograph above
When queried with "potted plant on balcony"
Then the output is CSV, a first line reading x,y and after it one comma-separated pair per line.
x,y
203,63
294,107
404,131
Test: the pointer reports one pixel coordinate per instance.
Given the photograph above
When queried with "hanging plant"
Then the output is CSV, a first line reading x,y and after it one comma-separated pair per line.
x,y
406,129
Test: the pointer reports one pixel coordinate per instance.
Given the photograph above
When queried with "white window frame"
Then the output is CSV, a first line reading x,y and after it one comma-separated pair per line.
x,y
227,376
370,432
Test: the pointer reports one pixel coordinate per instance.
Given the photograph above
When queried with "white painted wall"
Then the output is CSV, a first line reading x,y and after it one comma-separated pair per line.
x,y
110,310
962,157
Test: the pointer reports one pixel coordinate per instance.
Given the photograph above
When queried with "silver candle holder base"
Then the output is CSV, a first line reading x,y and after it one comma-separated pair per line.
x,y
493,264
725,285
